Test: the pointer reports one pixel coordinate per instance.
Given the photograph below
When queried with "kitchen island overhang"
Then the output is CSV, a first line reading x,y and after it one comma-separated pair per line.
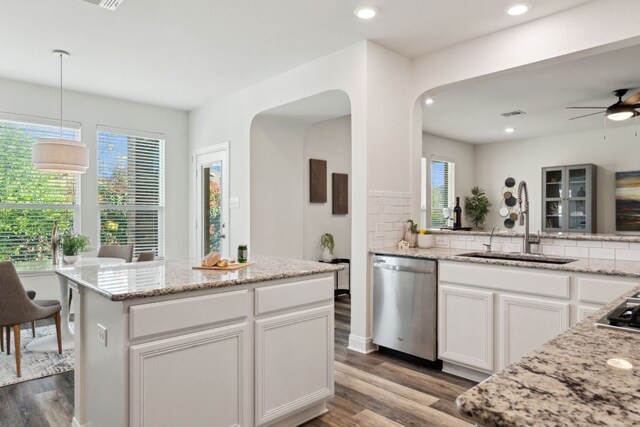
x,y
166,344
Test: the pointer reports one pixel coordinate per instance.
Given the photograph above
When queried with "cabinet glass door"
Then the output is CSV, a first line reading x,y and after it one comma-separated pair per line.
x,y
554,193
577,201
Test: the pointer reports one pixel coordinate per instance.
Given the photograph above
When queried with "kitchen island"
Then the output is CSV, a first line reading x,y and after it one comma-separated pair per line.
x,y
159,343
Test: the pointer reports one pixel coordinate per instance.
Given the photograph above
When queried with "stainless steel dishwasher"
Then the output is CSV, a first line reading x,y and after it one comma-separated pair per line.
x,y
404,305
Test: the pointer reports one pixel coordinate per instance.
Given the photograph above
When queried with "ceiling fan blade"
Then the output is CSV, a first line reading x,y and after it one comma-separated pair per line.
x,y
587,115
632,100
572,108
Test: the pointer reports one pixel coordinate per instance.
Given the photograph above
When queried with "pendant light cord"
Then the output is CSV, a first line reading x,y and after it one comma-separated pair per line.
x,y
61,95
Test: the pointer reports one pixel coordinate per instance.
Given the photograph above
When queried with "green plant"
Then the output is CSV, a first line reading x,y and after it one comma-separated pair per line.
x,y
413,227
72,244
476,206
326,241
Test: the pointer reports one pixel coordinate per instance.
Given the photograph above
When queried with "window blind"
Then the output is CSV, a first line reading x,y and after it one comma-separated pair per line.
x,y
441,190
30,200
131,189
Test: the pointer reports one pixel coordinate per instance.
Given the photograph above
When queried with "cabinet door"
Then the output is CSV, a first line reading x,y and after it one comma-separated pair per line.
x,y
553,195
578,213
465,327
527,323
294,362
196,379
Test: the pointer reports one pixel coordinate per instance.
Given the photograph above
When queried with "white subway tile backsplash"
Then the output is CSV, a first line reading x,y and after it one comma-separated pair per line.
x,y
442,242
576,252
601,253
615,245
588,244
627,255
553,250
457,244
564,242
475,246
634,245
466,237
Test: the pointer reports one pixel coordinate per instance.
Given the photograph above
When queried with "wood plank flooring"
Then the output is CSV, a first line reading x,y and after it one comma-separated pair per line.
x,y
374,390
381,390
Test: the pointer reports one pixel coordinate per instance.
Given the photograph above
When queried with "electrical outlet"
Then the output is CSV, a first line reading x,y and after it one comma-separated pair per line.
x,y
102,334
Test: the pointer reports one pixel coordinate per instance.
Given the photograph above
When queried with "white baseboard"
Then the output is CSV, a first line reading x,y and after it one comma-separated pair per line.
x,y
361,344
461,371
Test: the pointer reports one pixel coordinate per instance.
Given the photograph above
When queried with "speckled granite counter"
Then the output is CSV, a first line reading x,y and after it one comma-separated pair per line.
x,y
565,382
580,265
150,279
544,235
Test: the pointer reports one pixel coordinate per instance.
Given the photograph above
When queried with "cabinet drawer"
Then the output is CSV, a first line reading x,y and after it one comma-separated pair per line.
x,y
294,294
513,279
170,316
601,291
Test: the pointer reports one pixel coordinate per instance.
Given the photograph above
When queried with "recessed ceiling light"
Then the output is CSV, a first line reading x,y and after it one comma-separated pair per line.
x,y
510,130
366,12
428,101
518,9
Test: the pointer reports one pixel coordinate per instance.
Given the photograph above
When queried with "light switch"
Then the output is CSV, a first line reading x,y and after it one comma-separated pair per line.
x,y
102,334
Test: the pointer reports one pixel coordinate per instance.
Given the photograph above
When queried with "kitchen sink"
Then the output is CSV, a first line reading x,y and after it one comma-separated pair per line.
x,y
513,256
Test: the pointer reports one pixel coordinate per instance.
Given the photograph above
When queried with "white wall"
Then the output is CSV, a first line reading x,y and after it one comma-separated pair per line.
x,y
329,140
91,111
276,187
524,160
461,153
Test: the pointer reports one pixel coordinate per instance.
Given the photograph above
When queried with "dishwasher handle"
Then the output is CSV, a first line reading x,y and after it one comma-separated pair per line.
x,y
404,268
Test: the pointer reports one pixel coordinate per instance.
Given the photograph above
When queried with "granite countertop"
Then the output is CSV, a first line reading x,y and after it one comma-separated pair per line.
x,y
565,382
580,265
155,278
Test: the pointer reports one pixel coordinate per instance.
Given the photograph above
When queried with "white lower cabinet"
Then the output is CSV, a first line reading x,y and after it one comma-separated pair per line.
x,y
214,363
526,323
294,369
465,329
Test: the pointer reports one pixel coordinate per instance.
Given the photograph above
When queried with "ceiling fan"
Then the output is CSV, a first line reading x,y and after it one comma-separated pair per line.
x,y
621,110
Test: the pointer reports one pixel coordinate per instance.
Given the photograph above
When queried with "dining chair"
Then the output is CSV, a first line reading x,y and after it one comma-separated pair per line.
x,y
146,256
16,308
124,252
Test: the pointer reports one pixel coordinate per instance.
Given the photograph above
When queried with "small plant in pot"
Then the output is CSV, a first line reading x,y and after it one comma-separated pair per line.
x,y
476,207
72,245
327,244
411,235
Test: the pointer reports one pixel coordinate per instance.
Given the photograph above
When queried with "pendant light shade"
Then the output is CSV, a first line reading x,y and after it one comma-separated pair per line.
x,y
58,154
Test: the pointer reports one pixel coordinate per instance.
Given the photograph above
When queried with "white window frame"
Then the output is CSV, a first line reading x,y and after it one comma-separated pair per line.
x,y
44,121
429,184
161,207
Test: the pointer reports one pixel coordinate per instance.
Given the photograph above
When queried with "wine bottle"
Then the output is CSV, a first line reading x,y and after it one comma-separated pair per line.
x,y
457,214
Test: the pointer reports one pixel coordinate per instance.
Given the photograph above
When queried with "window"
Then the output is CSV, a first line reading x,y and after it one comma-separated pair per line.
x,y
442,190
30,200
131,189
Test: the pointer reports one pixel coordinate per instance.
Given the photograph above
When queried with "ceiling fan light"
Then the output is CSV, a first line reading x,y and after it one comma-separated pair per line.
x,y
618,116
60,155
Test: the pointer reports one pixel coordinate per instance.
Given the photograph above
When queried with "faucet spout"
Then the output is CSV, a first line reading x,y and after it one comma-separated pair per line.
x,y
524,214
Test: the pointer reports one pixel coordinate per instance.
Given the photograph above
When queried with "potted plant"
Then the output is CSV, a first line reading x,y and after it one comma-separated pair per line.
x,y
476,207
411,235
327,244
72,245
425,239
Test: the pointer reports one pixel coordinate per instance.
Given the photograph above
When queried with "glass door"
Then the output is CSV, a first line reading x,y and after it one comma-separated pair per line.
x,y
553,199
577,178
212,178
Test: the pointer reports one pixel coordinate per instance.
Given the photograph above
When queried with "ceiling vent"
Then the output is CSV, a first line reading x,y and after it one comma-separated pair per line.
x,y
513,113
106,4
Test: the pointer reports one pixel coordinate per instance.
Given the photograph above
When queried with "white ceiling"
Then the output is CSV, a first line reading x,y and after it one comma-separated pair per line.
x,y
185,53
471,111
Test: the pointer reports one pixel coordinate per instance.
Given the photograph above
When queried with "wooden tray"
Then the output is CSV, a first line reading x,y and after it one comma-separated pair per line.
x,y
231,267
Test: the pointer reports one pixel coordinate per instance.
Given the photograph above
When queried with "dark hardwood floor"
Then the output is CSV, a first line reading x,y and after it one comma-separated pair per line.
x,y
370,390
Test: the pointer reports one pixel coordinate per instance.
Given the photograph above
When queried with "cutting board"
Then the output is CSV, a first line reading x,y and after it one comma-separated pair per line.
x,y
231,267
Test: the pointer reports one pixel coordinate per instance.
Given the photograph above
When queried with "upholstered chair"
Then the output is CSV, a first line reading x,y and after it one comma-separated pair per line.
x,y
146,256
124,252
16,308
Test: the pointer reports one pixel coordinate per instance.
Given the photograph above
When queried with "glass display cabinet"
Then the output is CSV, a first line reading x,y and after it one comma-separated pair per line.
x,y
569,199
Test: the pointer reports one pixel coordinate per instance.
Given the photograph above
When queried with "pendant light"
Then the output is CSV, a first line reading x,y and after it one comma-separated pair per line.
x,y
60,155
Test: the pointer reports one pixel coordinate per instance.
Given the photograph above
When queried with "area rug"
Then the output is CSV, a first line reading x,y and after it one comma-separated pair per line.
x,y
34,365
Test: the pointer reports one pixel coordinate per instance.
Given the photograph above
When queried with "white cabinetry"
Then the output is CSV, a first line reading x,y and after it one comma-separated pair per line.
x,y
527,323
466,326
490,316
166,372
